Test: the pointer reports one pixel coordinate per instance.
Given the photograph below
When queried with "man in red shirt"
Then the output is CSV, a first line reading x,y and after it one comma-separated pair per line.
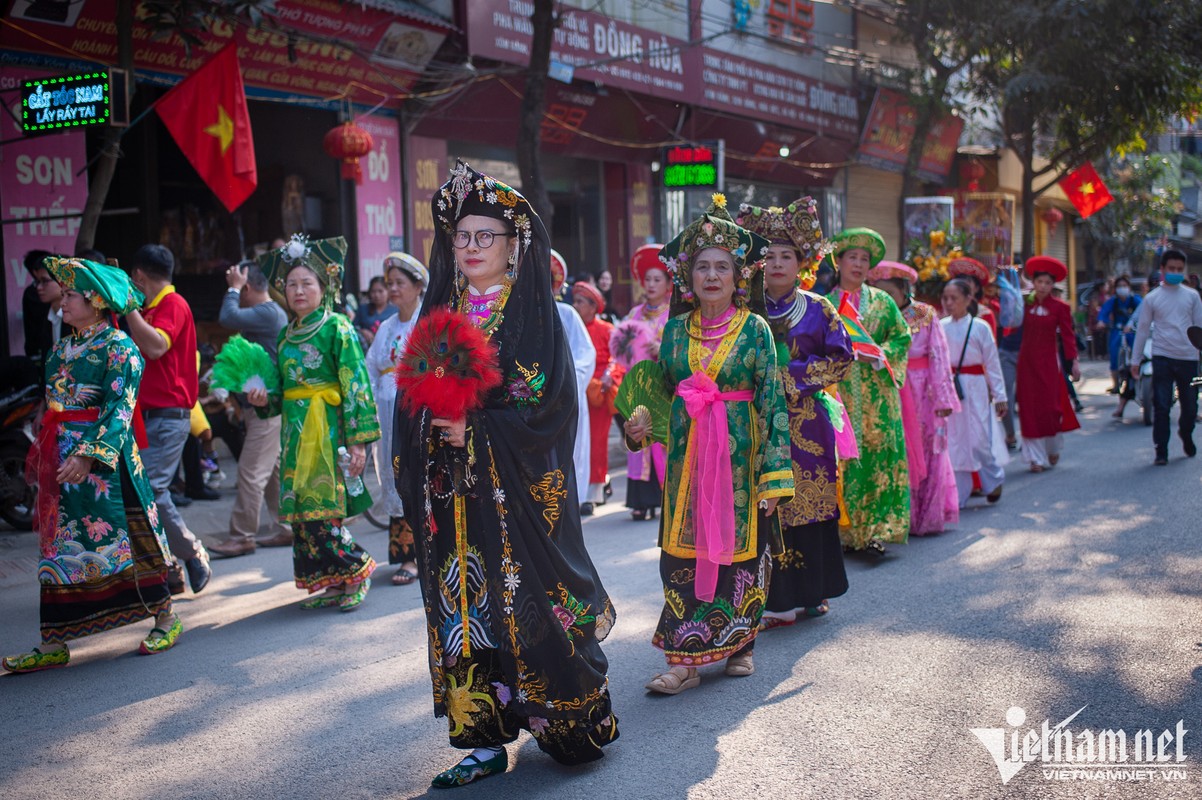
x,y
166,335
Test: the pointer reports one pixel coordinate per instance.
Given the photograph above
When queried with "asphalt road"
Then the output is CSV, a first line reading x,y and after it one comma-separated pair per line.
x,y
1080,590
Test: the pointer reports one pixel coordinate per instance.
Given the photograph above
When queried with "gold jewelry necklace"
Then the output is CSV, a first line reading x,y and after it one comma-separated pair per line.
x,y
299,334
696,328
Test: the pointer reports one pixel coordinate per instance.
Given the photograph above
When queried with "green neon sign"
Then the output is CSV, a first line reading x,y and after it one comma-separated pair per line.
x,y
49,105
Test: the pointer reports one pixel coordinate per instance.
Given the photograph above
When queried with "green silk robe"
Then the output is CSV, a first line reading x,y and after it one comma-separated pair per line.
x,y
761,466
876,487
331,357
99,367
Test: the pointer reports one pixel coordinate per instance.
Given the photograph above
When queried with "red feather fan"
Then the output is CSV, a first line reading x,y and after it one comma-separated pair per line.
x,y
449,366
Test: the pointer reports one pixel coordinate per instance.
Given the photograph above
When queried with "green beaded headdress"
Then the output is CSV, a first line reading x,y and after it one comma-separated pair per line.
x,y
107,288
714,228
865,238
325,257
796,225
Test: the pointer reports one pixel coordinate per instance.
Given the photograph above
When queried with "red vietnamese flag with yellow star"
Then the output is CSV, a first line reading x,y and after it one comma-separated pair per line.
x,y
206,115
1085,190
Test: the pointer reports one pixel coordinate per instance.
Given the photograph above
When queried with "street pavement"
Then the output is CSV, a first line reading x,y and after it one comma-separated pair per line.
x,y
1079,590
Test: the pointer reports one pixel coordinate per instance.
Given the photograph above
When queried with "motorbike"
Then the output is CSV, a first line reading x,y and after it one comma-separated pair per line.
x,y
18,410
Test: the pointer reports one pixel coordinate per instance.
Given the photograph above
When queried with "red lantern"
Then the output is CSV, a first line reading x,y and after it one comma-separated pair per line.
x,y
1052,217
348,142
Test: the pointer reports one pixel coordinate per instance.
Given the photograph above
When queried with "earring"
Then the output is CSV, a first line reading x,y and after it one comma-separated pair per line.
x,y
513,257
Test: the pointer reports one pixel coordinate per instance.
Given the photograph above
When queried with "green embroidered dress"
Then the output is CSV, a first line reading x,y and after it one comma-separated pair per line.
x,y
876,487
104,554
692,632
326,403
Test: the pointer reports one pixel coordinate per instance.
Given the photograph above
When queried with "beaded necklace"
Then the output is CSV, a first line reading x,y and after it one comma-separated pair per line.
x,y
296,333
699,330
494,304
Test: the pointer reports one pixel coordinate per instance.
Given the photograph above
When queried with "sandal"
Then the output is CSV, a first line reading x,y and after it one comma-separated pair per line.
x,y
403,577
352,600
638,515
1036,468
1054,459
160,640
818,610
471,769
768,623
35,660
322,601
674,681
875,548
740,665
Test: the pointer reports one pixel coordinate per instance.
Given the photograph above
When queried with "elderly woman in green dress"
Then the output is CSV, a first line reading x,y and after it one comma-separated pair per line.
x,y
327,406
104,554
876,486
728,452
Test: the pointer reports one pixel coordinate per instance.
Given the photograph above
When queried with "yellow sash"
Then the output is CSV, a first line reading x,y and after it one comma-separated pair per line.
x,y
315,452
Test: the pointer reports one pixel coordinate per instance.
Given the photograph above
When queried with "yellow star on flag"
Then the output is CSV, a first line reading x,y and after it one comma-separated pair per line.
x,y
1086,188
223,129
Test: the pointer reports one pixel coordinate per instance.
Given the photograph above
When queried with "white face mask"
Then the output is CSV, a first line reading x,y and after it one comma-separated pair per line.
x,y
1122,291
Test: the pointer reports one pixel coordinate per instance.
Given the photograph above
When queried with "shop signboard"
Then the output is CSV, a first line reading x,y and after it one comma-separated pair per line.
x,y
378,202
425,172
50,105
620,54
595,46
312,47
40,181
889,129
693,166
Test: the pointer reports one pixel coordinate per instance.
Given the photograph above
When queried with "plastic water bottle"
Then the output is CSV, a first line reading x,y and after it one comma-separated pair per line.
x,y
354,483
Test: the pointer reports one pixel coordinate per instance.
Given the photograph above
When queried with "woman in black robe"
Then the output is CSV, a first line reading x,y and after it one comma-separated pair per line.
x,y
515,611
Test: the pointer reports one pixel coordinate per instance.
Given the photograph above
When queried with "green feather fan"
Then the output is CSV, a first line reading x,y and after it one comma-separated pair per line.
x,y
242,365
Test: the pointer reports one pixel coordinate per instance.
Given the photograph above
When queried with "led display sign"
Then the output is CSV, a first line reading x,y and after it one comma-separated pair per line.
x,y
50,105
693,166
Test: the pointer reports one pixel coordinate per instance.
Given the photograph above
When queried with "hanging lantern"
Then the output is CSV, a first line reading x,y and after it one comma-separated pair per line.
x,y
1052,217
350,143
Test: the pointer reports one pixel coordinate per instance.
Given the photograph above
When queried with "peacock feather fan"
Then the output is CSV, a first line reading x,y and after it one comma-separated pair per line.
x,y
633,341
243,365
449,366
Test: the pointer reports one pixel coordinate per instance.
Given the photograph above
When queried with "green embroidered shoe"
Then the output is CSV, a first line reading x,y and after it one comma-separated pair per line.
x,y
35,660
354,599
161,640
322,601
471,769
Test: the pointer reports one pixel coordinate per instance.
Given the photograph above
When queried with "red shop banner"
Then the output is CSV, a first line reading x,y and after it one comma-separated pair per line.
x,y
320,48
594,47
890,129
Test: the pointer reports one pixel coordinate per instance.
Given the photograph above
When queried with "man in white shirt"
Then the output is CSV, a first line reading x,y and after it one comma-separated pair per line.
x,y
1173,307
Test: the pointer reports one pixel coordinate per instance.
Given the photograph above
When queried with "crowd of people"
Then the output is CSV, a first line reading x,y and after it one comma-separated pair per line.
x,y
793,428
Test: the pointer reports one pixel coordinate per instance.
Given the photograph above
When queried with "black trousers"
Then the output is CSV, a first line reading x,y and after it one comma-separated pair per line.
x,y
1167,373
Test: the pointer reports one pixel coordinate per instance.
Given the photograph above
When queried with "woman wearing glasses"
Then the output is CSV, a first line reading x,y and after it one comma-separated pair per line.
x,y
406,279
514,608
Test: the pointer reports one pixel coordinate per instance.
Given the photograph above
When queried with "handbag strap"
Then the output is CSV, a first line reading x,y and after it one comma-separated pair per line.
x,y
964,349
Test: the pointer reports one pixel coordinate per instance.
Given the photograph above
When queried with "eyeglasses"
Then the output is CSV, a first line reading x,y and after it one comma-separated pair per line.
x,y
484,239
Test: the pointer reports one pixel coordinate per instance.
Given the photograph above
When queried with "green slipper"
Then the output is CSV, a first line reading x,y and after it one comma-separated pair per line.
x,y
160,640
322,601
354,599
471,769
36,660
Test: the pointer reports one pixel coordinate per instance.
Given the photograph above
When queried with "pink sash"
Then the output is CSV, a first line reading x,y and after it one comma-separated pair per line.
x,y
712,494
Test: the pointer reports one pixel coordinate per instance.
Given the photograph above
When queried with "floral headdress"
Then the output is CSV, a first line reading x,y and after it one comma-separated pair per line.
x,y
106,288
796,225
470,192
714,228
325,257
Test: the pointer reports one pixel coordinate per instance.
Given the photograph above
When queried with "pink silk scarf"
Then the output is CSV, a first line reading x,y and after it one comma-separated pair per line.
x,y
712,492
